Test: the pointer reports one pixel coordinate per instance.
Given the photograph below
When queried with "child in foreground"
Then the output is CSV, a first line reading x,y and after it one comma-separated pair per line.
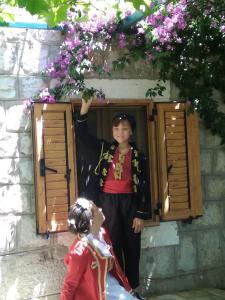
x,y
93,272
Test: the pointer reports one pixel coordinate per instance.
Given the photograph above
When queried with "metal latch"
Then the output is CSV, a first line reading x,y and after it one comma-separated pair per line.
x,y
43,168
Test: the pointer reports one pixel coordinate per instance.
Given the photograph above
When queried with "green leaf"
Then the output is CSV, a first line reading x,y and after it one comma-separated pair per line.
x,y
35,6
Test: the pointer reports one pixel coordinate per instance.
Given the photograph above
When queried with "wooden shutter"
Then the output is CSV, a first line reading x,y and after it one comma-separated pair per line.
x,y
54,167
178,162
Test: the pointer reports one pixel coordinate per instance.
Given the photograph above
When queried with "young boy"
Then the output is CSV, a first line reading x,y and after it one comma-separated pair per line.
x,y
122,188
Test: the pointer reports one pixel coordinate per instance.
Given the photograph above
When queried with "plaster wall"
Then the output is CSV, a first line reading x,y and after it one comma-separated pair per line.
x,y
175,255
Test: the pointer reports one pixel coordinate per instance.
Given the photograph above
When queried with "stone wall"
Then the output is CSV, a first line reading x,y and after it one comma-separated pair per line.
x,y
182,255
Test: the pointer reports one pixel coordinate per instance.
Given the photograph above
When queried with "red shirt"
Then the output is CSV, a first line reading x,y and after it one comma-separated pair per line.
x,y
119,177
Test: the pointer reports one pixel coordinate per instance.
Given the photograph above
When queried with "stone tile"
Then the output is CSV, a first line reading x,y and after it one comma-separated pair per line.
x,y
2,117
25,144
157,262
31,275
213,214
14,199
8,58
8,227
8,87
215,187
217,292
16,118
206,161
212,141
29,86
219,166
28,238
186,253
12,34
9,144
33,58
192,294
209,248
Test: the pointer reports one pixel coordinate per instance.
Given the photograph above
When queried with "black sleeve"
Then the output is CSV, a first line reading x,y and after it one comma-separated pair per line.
x,y
82,133
144,195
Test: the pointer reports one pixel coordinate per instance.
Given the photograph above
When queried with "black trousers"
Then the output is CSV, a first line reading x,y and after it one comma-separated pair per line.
x,y
119,210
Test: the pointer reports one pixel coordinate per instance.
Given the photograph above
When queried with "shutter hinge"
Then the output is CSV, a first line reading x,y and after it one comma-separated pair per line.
x,y
153,114
159,207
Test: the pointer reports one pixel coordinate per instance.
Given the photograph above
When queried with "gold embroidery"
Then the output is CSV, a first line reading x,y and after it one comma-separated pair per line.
x,y
104,172
119,167
94,265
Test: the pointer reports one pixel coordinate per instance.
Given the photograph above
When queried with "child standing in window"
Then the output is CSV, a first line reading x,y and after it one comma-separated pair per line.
x,y
122,185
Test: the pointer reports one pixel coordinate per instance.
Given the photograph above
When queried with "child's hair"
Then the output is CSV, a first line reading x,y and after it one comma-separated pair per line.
x,y
80,216
124,117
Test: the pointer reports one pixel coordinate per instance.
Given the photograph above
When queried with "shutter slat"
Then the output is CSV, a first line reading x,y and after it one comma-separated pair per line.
x,y
55,147
56,200
179,199
55,154
53,142
174,128
57,216
57,208
178,206
53,193
175,178
178,149
57,185
174,121
53,124
53,116
52,139
175,135
178,191
54,131
55,177
175,171
51,162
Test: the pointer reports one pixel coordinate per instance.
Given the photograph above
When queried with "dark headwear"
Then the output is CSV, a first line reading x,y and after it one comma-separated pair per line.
x,y
124,117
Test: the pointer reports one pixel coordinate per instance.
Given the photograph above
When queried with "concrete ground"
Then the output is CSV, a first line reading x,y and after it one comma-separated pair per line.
x,y
203,294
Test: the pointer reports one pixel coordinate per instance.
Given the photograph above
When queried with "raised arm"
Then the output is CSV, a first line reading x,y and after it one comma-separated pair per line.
x,y
81,127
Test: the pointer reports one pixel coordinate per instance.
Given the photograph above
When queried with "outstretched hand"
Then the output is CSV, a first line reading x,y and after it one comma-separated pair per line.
x,y
85,105
138,225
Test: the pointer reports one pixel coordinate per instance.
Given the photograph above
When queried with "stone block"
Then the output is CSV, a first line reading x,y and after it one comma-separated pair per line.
x,y
18,170
212,215
8,87
14,199
10,174
212,141
206,161
31,275
213,278
25,167
8,225
209,249
157,262
157,236
17,120
25,144
169,285
28,239
9,144
186,253
45,36
12,34
33,58
219,166
2,117
30,86
8,58
127,88
215,187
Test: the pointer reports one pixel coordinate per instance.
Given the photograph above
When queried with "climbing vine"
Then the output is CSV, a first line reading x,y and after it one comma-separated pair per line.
x,y
184,40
